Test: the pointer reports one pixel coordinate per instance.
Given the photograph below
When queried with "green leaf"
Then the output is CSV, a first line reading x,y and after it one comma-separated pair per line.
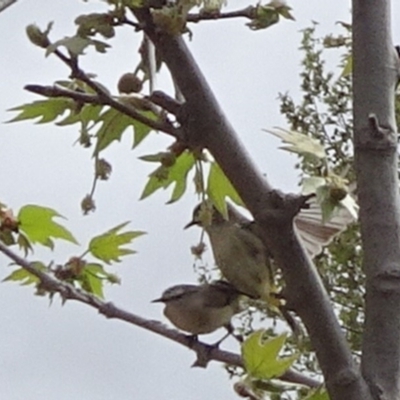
x,y
114,124
46,110
261,356
92,279
38,225
88,113
24,244
176,174
299,143
77,44
90,24
265,17
142,130
348,66
108,246
219,188
23,276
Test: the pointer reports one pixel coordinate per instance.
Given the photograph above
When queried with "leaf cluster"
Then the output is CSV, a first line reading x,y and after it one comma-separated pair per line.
x,y
35,225
324,113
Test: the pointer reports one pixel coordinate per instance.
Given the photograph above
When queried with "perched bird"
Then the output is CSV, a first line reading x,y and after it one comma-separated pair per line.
x,y
241,255
200,309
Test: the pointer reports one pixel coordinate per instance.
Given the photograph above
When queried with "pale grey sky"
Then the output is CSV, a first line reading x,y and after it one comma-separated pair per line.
x,y
71,352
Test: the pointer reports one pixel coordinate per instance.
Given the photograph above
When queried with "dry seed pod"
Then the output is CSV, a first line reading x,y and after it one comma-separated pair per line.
x,y
129,83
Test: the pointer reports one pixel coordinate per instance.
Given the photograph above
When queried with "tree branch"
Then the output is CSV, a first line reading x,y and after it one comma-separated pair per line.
x,y
106,100
248,12
204,352
375,76
205,125
6,3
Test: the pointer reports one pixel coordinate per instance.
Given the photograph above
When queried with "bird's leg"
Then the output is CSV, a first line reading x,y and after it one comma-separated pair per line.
x,y
192,339
230,332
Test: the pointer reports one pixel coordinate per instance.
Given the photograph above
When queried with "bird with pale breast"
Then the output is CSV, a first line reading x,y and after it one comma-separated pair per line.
x,y
201,309
242,256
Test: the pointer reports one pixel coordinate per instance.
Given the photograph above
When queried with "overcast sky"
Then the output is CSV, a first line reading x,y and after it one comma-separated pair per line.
x,y
71,352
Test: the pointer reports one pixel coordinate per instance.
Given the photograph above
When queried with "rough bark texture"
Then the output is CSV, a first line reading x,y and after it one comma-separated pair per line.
x,y
205,125
376,72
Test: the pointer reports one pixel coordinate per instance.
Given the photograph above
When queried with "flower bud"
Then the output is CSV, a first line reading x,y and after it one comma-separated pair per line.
x,y
36,36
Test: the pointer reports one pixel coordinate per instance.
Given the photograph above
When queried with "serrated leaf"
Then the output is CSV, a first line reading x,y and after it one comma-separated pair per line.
x,y
299,143
92,279
90,24
284,11
45,110
142,130
77,44
38,225
108,246
24,244
88,113
114,124
23,276
219,188
176,174
261,356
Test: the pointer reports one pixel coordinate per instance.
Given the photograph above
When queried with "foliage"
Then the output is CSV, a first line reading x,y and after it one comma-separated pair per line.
x,y
320,135
34,224
324,114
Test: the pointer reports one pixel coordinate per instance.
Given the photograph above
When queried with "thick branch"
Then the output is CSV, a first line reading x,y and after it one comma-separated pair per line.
x,y
376,71
206,125
205,353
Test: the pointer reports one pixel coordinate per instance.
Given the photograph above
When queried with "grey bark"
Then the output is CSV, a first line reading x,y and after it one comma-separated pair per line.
x,y
376,72
205,125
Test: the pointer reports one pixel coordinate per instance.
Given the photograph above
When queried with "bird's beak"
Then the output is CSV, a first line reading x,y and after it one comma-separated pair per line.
x,y
159,300
191,223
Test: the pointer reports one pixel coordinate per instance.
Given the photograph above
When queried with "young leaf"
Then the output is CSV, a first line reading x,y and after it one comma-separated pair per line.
x,y
261,356
88,113
114,124
77,44
23,276
176,174
108,246
38,225
348,65
92,279
46,110
299,143
219,187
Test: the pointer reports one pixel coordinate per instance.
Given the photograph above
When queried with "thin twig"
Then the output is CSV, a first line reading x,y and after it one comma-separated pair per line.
x,y
248,12
103,97
6,3
109,310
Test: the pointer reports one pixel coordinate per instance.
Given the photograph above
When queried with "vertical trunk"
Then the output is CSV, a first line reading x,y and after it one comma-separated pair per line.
x,y
376,160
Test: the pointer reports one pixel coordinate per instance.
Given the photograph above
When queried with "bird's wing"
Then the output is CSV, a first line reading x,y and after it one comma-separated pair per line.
x,y
218,294
314,233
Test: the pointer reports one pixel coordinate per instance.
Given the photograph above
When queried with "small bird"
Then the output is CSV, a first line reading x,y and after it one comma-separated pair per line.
x,y
241,255
200,309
